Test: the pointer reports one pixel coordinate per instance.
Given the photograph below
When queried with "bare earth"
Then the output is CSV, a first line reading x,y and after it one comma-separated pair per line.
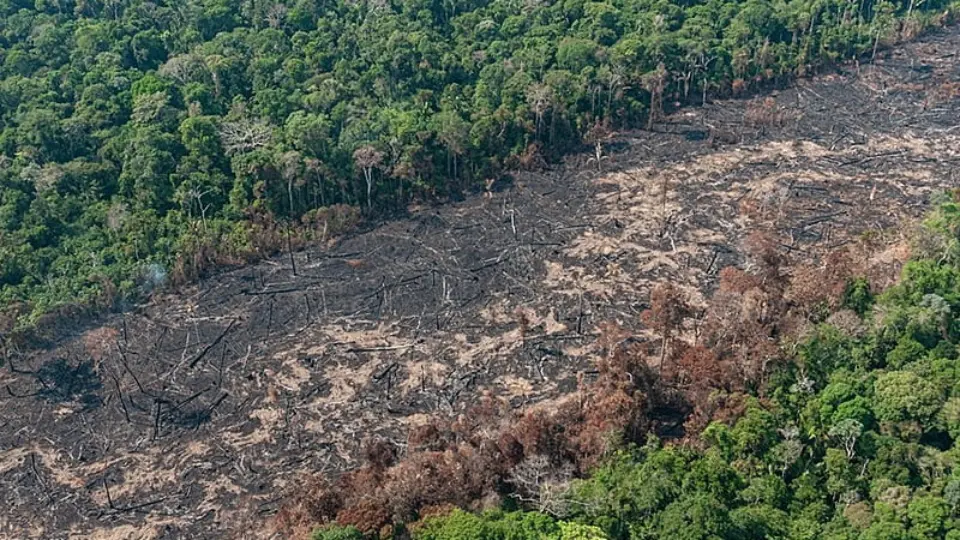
x,y
192,417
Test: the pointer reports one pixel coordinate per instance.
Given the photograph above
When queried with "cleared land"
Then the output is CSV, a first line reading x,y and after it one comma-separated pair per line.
x,y
192,416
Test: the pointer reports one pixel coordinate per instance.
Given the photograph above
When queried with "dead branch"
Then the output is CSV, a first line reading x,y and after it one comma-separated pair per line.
x,y
215,342
379,349
244,135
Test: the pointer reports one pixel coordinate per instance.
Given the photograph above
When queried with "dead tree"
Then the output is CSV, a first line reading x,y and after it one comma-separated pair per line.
x,y
596,136
540,98
291,168
181,68
368,158
244,136
655,82
668,310
542,483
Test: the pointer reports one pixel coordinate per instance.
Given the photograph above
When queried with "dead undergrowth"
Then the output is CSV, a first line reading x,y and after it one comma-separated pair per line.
x,y
194,415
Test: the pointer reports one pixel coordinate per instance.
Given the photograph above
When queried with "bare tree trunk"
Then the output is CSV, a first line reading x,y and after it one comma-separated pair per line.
x,y
293,261
323,191
368,174
663,352
290,196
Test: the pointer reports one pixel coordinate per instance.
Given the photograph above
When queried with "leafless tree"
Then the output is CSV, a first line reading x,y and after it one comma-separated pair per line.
x,y
368,158
276,15
198,196
540,98
654,83
244,135
596,136
615,78
181,68
116,216
542,484
376,6
291,168
847,432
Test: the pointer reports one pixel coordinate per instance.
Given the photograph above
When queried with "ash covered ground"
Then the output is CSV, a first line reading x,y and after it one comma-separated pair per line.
x,y
193,416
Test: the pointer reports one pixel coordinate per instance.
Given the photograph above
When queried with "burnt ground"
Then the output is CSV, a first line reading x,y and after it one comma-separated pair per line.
x,y
191,417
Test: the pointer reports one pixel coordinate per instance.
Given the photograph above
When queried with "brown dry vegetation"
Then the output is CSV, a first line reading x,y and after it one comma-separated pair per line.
x,y
637,387
468,460
454,342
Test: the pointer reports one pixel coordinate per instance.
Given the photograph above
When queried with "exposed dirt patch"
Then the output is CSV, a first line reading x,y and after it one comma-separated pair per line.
x,y
192,416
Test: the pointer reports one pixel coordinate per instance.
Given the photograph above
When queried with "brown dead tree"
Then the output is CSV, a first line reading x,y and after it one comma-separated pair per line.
x,y
668,310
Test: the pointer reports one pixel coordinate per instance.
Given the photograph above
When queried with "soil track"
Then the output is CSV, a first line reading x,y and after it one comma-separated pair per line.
x,y
192,416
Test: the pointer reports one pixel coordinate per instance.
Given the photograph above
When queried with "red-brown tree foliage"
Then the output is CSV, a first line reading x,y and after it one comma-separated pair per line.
x,y
468,461
668,310
473,460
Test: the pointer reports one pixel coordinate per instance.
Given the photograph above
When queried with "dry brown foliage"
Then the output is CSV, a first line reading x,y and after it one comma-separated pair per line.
x,y
99,342
717,407
473,459
822,285
668,310
532,158
944,92
762,113
738,87
492,451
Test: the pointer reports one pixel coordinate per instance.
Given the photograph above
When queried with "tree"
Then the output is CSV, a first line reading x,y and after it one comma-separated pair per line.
x,y
575,54
929,516
337,533
950,416
244,136
902,396
540,98
292,170
598,134
319,171
886,531
200,136
542,483
668,310
453,131
148,161
579,531
884,15
697,517
847,432
654,82
368,158
457,524
41,134
182,68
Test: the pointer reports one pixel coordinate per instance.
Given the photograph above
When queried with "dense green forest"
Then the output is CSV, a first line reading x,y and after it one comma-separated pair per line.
x,y
850,435
142,142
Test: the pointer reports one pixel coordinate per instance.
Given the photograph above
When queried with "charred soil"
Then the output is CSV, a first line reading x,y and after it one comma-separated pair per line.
x,y
193,416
